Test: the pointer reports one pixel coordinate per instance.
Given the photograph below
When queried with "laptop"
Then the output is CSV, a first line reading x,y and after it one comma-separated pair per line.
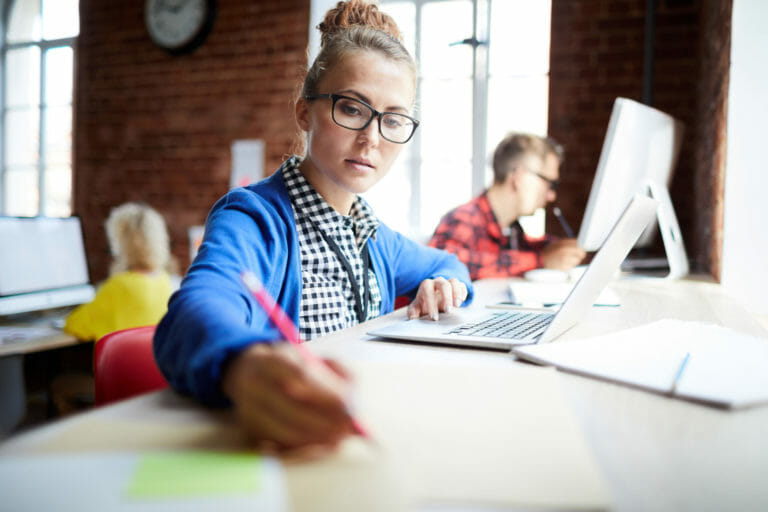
x,y
504,329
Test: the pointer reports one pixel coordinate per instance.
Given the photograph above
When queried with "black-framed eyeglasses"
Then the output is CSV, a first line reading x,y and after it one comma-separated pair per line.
x,y
355,114
553,184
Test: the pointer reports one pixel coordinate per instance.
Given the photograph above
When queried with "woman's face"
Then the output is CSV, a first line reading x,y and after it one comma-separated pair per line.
x,y
340,162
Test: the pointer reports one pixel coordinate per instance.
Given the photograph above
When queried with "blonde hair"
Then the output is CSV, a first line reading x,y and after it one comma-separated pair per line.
x,y
138,238
354,26
515,146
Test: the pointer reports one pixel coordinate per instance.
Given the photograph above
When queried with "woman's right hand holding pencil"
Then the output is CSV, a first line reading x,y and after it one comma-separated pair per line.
x,y
285,402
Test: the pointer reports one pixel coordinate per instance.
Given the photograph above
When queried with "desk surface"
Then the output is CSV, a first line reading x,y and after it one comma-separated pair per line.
x,y
654,452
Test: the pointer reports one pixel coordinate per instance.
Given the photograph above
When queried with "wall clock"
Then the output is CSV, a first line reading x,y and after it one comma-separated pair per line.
x,y
179,26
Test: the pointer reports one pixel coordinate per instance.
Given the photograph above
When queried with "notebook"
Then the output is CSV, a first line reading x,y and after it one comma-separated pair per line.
x,y
697,361
497,329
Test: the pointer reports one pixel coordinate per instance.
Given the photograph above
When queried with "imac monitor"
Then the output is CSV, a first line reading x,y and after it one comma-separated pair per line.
x,y
42,264
638,157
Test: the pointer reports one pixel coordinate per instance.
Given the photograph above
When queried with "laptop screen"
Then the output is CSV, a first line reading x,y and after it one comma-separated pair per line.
x,y
41,253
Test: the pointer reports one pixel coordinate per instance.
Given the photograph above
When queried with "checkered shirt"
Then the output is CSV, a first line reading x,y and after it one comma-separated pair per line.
x,y
473,234
327,301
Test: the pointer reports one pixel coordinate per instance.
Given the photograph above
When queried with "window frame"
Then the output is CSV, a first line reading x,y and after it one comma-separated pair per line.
x,y
479,39
44,45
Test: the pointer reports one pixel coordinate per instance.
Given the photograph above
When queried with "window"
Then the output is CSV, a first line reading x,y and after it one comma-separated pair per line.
x,y
471,54
36,107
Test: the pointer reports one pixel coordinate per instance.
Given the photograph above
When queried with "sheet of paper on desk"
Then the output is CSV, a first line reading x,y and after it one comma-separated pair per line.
x,y
490,436
725,367
11,334
142,482
552,294
356,477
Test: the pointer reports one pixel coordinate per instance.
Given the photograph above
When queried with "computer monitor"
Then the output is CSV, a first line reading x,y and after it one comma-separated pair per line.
x,y
638,157
42,264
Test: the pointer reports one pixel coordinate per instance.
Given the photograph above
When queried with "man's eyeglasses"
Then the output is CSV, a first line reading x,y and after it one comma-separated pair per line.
x,y
355,114
553,184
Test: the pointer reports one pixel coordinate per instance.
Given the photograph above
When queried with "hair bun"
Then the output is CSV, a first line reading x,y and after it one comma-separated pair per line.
x,y
354,13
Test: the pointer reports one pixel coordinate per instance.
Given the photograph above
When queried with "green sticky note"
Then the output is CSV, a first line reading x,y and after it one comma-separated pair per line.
x,y
195,475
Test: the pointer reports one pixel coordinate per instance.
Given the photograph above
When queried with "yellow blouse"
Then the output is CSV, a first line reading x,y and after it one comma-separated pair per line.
x,y
126,299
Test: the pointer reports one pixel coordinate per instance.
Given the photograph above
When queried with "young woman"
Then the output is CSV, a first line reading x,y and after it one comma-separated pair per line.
x,y
314,243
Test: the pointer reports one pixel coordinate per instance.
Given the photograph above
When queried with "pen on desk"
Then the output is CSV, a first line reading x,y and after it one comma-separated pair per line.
x,y
679,374
566,227
289,330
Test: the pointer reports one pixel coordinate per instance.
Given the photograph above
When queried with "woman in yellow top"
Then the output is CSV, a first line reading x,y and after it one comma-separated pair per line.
x,y
139,286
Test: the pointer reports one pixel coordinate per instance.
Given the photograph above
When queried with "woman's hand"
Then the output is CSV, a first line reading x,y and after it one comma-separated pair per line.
x,y
286,402
437,295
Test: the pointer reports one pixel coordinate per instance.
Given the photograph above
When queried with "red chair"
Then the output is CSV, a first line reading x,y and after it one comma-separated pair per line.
x,y
402,301
124,365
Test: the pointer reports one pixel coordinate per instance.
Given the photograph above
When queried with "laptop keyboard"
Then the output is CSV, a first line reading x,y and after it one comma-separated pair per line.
x,y
517,325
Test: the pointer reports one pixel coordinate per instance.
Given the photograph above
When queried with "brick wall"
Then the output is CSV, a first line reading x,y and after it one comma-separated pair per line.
x,y
157,128
597,54
710,132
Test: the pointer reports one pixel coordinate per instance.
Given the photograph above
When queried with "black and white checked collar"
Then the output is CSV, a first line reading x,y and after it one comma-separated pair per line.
x,y
308,203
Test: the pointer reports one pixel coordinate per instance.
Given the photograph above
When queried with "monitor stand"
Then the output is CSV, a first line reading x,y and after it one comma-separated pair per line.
x,y
640,261
676,260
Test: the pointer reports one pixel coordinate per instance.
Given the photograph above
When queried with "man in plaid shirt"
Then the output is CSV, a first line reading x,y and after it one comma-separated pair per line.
x,y
485,233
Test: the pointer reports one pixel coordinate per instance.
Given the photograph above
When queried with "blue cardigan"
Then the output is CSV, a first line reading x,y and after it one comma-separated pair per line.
x,y
213,317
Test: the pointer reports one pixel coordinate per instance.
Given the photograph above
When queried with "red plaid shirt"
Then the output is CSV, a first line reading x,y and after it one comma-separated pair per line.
x,y
473,234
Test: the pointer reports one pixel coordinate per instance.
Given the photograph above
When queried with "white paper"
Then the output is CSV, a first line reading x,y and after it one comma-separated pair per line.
x,y
195,234
497,437
247,162
97,482
11,334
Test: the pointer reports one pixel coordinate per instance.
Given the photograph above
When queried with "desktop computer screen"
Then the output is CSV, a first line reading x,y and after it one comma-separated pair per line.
x,y
638,157
42,264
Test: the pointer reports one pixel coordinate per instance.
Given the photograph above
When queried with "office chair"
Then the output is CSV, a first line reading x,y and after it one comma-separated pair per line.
x,y
124,365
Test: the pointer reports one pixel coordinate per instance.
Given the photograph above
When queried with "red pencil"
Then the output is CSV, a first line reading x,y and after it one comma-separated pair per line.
x,y
288,329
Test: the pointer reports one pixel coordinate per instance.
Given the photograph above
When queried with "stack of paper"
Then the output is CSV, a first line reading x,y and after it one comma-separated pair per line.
x,y
485,437
724,367
12,334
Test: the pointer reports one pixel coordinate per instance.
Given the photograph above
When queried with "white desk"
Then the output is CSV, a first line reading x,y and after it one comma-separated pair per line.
x,y
655,453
